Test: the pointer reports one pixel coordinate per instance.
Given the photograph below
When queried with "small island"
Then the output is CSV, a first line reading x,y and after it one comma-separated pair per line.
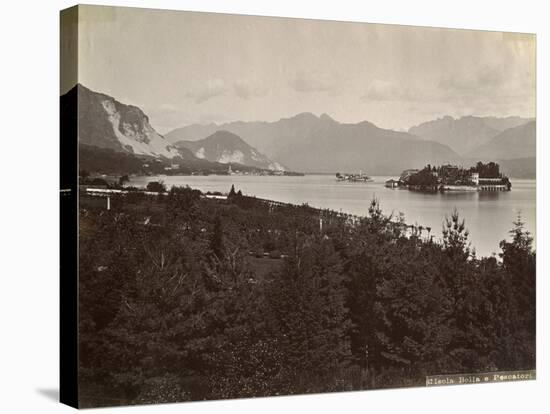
x,y
364,178
481,177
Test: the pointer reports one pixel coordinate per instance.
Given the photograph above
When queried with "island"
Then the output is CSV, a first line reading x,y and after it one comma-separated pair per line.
x,y
481,177
364,178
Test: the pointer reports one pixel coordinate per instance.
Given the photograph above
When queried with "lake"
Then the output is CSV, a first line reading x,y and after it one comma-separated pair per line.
x,y
488,216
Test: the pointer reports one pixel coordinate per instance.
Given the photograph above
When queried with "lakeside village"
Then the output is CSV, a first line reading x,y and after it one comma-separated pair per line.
x,y
481,177
156,167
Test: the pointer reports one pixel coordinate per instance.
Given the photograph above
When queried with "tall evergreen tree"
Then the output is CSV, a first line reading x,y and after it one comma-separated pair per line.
x,y
216,242
519,262
309,318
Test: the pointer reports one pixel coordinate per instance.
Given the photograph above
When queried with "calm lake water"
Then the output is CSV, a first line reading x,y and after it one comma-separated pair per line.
x,y
488,216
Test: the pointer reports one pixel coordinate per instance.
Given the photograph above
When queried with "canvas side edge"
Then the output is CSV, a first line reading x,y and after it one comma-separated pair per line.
x,y
68,357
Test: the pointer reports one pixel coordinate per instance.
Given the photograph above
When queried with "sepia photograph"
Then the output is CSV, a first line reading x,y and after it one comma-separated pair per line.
x,y
263,206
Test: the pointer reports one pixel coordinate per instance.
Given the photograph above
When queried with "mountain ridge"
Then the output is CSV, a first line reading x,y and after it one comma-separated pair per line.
x,y
116,137
310,143
105,122
465,133
512,143
303,142
226,148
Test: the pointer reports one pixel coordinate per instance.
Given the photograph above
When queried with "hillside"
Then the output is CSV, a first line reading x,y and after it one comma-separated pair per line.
x,y
227,148
517,142
105,122
466,133
309,143
519,167
118,139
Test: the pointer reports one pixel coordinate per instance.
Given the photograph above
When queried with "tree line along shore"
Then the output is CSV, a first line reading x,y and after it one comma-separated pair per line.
x,y
176,303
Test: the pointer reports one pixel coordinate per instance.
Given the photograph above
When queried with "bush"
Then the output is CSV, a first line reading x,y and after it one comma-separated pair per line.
x,y
156,186
423,178
99,181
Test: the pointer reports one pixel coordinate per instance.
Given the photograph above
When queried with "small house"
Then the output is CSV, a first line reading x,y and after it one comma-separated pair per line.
x,y
392,183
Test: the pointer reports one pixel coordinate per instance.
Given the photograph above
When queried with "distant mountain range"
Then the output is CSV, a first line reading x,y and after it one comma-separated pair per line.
x,y
305,142
510,141
225,147
309,143
519,167
464,135
516,142
514,149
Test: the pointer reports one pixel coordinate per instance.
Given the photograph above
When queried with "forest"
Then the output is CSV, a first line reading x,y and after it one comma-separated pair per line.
x,y
186,298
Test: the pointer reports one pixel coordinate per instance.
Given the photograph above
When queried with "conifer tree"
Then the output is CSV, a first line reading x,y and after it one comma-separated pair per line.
x,y
216,242
519,262
306,302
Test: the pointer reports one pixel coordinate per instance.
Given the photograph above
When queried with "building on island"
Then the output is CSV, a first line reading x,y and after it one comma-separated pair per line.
x,y
407,173
481,177
493,184
354,177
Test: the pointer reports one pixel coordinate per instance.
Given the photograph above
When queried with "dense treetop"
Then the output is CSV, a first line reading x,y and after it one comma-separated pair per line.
x,y
178,300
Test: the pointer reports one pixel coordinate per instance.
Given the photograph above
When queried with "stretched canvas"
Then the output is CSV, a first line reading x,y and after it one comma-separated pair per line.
x,y
260,206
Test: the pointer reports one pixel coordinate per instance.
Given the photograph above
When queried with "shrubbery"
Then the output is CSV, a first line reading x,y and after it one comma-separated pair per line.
x,y
171,308
156,186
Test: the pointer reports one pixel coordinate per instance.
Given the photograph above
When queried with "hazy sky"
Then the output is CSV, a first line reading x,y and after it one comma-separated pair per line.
x,y
186,67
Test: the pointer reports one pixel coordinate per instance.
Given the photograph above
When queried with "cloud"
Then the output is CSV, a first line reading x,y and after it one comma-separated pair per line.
x,y
167,117
384,91
209,118
487,78
246,89
492,89
211,89
498,81
497,89
380,90
313,81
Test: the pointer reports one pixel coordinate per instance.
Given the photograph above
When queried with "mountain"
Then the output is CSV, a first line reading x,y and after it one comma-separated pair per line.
x,y
466,133
225,147
267,137
116,138
519,167
309,143
108,161
192,132
104,122
501,124
512,143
